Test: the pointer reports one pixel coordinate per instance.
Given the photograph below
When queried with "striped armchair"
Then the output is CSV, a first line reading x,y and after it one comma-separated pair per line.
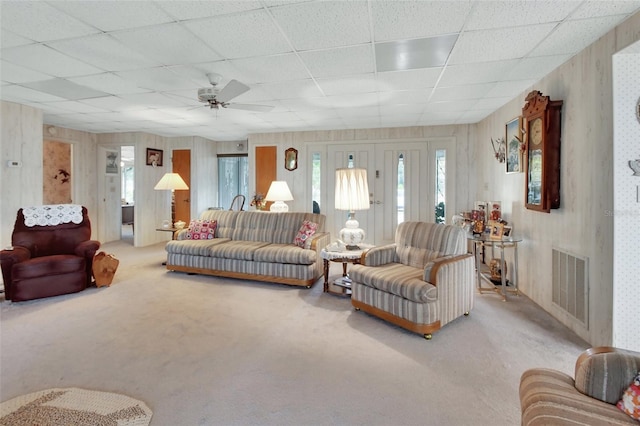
x,y
421,282
602,374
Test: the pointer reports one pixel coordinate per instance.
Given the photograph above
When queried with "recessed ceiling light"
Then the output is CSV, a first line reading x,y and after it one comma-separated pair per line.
x,y
412,54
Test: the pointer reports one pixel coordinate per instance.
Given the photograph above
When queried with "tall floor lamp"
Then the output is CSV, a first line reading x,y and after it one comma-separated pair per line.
x,y
171,182
352,193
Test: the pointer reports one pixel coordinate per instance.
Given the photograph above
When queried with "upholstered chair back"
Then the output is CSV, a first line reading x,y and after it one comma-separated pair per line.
x,y
49,240
418,243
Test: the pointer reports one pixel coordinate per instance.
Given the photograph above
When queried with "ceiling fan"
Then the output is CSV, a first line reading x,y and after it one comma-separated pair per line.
x,y
219,98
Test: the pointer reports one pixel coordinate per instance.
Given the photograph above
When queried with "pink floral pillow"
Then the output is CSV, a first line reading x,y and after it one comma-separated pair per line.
x,y
202,229
630,402
307,229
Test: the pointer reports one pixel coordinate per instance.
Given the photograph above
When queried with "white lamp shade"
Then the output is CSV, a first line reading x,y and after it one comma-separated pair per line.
x,y
279,191
171,181
352,189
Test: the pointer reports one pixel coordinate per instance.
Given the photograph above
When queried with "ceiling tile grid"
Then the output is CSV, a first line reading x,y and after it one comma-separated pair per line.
x,y
115,66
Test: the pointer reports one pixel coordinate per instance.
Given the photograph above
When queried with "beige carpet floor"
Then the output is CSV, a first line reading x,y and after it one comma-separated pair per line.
x,y
209,351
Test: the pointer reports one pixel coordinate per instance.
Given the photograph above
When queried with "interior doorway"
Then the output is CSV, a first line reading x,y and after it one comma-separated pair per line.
x,y
127,194
181,203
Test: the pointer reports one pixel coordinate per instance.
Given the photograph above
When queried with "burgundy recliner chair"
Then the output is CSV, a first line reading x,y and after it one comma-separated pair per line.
x,y
48,260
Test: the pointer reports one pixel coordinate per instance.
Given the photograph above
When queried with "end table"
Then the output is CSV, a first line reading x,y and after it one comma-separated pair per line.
x,y
342,286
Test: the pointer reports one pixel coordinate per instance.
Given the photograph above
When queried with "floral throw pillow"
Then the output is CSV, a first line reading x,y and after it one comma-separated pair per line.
x,y
307,229
202,229
630,402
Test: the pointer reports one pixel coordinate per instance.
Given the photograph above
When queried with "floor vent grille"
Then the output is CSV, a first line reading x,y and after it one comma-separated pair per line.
x,y
571,285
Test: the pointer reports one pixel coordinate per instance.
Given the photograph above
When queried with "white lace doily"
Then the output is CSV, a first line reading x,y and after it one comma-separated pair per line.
x,y
53,214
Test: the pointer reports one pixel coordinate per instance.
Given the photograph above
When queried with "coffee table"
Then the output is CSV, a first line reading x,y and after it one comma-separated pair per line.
x,y
341,286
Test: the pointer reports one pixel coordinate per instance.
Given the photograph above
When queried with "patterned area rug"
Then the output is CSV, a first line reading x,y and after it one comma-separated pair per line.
x,y
73,406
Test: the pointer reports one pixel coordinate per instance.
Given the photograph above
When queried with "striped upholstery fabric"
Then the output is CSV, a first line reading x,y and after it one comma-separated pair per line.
x,y
549,397
425,277
284,253
418,313
243,250
382,255
194,247
606,373
267,269
395,278
417,243
256,244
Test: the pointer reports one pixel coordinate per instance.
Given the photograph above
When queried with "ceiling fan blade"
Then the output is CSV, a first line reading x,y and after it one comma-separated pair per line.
x,y
250,107
231,90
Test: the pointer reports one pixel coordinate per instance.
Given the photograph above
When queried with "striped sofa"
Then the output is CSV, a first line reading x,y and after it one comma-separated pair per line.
x,y
602,374
421,282
253,245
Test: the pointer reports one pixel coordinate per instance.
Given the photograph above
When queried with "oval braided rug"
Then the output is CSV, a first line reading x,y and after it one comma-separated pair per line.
x,y
74,406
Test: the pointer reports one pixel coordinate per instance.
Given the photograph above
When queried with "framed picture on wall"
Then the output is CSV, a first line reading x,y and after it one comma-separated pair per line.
x,y
154,157
112,162
513,136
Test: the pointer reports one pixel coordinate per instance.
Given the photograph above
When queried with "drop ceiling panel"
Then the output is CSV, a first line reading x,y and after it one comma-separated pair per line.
x,y
169,44
270,69
365,83
184,10
485,72
152,100
573,36
9,39
324,24
18,93
290,89
13,73
472,91
408,80
360,100
112,103
110,16
105,52
343,61
532,68
79,107
405,97
158,79
239,36
509,88
417,19
46,60
500,14
589,9
492,103
497,45
37,20
65,89
110,83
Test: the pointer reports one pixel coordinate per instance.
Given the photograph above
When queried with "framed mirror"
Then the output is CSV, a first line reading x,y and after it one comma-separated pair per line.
x,y
291,159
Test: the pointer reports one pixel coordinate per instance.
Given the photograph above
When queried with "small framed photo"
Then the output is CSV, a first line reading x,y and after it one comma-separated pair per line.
x,y
513,138
154,157
495,230
506,231
112,162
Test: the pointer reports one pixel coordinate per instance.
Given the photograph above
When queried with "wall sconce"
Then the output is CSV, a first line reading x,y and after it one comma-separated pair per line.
x,y
500,149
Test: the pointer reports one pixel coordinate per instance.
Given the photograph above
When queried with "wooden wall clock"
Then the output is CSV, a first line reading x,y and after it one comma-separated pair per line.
x,y
542,163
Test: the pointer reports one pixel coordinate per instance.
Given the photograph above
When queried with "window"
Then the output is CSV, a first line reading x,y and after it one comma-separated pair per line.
x,y
440,210
233,178
316,179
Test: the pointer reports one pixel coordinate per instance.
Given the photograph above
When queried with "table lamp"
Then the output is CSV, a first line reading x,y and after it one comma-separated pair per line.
x,y
352,193
279,193
171,182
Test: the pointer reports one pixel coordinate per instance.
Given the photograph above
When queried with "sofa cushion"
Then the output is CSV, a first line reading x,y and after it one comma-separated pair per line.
x,y
256,226
605,373
630,401
284,253
193,247
201,230
243,250
401,280
307,230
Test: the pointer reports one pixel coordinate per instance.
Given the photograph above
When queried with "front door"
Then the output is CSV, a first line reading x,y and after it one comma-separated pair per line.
x,y
407,181
182,166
